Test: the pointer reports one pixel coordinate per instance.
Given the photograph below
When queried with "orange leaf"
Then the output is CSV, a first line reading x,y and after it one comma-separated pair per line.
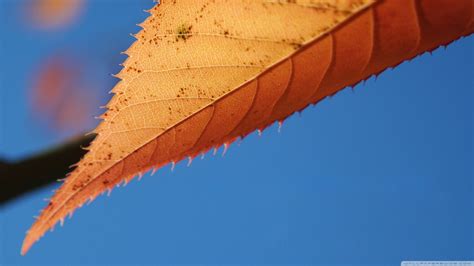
x,y
52,14
60,95
50,84
204,73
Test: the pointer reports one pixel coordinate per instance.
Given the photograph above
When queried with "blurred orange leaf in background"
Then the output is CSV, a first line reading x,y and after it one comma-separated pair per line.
x,y
60,96
50,83
53,14
76,111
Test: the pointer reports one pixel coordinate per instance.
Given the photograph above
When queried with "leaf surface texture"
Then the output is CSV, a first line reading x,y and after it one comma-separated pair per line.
x,y
204,73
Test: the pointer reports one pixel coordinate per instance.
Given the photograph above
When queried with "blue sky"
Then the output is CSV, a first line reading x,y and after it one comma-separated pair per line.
x,y
377,175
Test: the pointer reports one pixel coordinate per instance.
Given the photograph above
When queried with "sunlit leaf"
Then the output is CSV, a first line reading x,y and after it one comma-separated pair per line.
x,y
53,14
61,97
204,73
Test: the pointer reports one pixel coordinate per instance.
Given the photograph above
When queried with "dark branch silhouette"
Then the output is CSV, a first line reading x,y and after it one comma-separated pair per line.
x,y
18,178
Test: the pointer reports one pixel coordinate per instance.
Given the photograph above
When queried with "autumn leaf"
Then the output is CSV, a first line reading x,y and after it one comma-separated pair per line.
x,y
50,84
53,14
204,73
60,95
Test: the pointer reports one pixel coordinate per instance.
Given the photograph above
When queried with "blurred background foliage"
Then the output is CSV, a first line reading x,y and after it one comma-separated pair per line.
x,y
61,55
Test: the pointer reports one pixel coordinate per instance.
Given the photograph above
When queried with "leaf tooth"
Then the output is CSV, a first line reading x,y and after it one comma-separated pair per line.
x,y
126,52
104,115
173,165
190,161
226,147
134,35
90,199
125,182
74,165
157,2
203,152
87,148
280,125
61,221
120,76
141,25
214,152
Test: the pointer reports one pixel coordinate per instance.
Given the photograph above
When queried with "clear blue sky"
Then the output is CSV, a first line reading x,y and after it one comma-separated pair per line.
x,y
372,176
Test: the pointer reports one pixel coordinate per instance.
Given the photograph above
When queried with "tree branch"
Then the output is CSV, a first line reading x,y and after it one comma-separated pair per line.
x,y
18,178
